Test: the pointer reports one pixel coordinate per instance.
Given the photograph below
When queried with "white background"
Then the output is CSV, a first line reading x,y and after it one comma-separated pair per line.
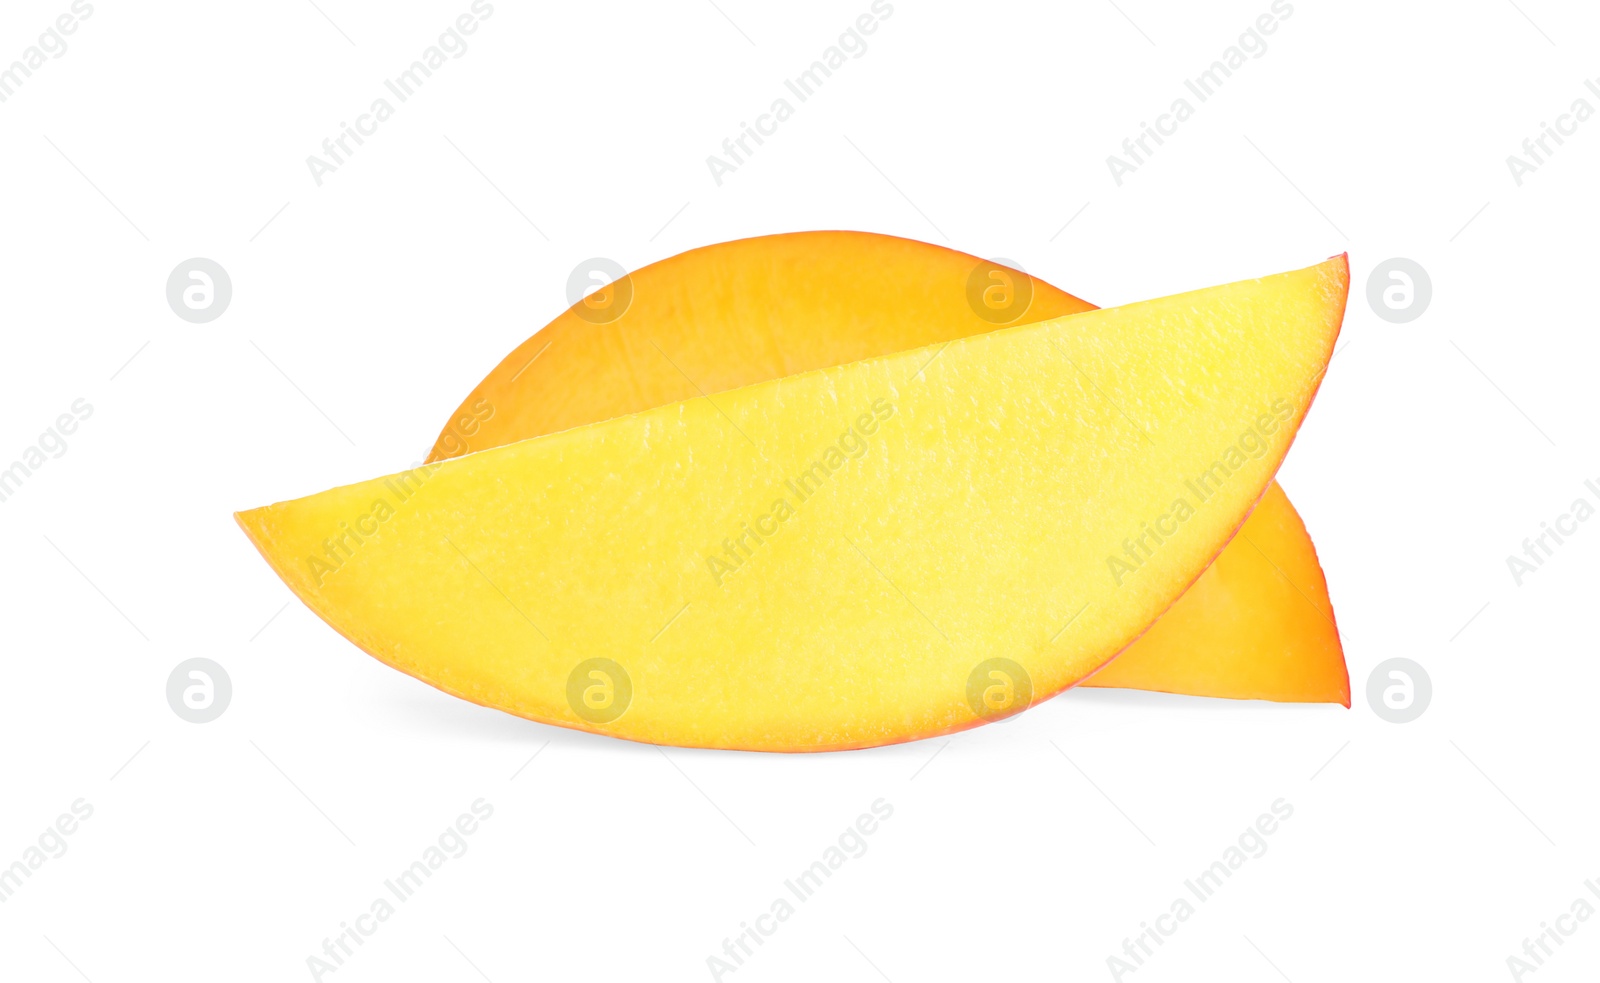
x,y
1023,851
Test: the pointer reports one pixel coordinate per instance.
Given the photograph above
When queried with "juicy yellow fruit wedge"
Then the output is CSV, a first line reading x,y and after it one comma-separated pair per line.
x,y
1258,623
881,551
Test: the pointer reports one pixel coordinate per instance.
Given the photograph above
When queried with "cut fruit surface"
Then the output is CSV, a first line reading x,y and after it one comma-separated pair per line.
x,y
732,315
839,558
738,313
1257,625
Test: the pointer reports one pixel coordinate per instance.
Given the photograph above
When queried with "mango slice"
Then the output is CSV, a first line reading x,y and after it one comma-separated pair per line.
x,y
1257,625
880,551
735,314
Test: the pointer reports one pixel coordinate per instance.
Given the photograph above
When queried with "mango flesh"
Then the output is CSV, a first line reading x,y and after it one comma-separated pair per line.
x,y
1258,624
732,315
926,514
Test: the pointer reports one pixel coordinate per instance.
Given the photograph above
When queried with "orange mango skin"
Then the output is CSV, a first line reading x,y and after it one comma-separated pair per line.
x,y
1257,624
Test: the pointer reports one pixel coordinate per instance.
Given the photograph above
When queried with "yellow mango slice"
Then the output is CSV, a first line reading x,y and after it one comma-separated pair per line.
x,y
880,551
1257,625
